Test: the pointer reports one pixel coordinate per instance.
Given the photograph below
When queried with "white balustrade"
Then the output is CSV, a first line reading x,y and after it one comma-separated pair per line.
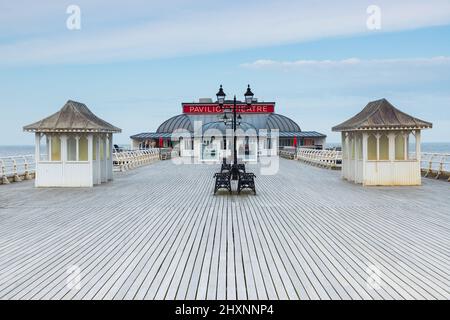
x,y
127,160
330,159
17,168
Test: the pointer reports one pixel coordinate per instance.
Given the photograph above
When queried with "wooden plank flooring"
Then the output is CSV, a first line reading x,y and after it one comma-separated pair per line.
x,y
158,233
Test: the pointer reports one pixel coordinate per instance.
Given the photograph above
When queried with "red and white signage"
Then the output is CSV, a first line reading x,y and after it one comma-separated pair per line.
x,y
197,108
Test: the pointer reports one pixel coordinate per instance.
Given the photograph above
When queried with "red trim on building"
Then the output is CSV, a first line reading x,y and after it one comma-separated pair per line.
x,y
197,108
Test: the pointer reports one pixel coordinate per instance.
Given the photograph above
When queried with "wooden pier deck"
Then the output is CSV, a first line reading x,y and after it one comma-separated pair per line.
x,y
157,232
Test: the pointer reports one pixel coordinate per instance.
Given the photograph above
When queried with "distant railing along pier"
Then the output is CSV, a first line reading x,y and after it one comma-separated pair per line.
x,y
17,168
130,159
331,159
126,160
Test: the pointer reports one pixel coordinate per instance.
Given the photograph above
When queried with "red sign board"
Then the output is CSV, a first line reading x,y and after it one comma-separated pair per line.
x,y
198,108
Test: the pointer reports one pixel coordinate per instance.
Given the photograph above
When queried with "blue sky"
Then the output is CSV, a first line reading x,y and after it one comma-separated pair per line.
x,y
133,64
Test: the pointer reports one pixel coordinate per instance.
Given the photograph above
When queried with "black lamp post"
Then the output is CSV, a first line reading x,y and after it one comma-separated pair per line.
x,y
236,120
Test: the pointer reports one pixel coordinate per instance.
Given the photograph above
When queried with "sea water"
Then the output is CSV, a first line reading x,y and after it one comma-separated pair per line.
x,y
430,147
8,151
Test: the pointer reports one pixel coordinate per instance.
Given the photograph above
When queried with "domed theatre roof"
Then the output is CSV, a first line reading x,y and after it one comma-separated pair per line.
x,y
181,121
282,123
286,126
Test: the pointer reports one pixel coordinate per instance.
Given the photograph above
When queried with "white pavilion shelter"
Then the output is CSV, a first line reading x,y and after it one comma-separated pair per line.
x,y
73,148
376,146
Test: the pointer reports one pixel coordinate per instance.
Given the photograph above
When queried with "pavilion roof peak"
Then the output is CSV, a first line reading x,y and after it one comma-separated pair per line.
x,y
73,117
381,114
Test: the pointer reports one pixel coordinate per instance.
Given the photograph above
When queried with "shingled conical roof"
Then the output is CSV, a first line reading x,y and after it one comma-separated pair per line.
x,y
380,114
73,117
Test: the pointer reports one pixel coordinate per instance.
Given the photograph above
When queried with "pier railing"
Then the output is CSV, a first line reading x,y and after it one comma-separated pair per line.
x,y
17,168
436,165
126,160
330,159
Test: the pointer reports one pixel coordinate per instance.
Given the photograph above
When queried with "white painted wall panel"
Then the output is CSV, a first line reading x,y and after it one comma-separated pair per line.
x,y
71,175
402,173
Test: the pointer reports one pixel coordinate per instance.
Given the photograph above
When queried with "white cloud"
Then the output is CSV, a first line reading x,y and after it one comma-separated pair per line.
x,y
110,31
351,62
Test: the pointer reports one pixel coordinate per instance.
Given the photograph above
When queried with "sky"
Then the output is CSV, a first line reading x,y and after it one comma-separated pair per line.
x,y
134,62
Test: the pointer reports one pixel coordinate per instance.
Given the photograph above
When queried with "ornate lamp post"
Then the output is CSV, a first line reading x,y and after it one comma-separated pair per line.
x,y
235,120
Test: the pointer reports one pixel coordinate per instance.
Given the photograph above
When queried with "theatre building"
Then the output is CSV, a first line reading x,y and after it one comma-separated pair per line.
x,y
260,115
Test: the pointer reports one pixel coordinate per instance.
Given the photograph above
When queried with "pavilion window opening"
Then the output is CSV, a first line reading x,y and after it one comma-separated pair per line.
x,y
77,148
401,148
55,147
359,148
344,145
102,148
412,146
83,148
372,152
44,147
72,148
383,141
108,147
94,149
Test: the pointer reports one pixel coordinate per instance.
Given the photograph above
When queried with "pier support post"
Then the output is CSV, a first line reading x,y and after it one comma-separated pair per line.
x,y
3,172
418,146
91,157
27,175
16,175
391,137
365,138
37,156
